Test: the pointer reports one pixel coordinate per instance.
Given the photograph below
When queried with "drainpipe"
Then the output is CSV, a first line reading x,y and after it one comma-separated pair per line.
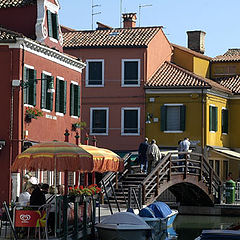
x,y
203,123
22,113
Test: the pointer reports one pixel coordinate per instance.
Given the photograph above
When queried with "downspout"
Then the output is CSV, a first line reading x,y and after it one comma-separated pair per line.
x,y
22,105
203,122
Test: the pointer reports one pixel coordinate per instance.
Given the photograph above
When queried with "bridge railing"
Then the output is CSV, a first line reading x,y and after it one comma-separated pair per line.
x,y
180,163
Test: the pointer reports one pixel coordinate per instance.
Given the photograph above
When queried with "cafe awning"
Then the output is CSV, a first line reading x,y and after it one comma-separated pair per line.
x,y
226,152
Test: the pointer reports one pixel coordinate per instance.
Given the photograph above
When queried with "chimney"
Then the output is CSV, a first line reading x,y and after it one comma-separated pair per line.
x,y
196,41
129,20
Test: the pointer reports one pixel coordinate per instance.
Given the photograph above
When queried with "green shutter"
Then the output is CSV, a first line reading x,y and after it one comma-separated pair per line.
x,y
65,97
50,95
49,19
75,100
182,117
78,101
71,99
43,91
34,87
25,89
55,25
163,117
215,112
224,121
57,97
210,118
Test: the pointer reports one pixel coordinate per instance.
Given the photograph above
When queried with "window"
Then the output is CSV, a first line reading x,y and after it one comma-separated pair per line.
x,y
95,73
173,117
131,72
224,120
130,121
225,70
61,92
30,83
99,121
52,19
213,118
47,82
74,99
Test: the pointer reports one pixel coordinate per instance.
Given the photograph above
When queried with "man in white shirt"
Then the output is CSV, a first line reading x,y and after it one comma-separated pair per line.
x,y
24,198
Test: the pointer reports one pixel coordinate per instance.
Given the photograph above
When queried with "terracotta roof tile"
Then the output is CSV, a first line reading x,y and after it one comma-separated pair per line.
x,y
232,55
197,54
7,35
170,75
118,37
232,83
15,3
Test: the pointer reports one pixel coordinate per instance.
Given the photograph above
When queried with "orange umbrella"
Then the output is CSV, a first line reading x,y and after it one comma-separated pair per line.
x,y
64,156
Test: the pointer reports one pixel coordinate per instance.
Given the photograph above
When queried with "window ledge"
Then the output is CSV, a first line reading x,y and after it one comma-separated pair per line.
x,y
135,85
28,105
53,39
76,117
92,86
46,110
98,134
60,114
130,134
224,133
212,131
173,131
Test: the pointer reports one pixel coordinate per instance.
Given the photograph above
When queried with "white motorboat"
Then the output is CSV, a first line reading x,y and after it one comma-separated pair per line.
x,y
124,226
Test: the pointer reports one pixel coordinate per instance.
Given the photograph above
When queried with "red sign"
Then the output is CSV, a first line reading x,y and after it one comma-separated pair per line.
x,y
30,218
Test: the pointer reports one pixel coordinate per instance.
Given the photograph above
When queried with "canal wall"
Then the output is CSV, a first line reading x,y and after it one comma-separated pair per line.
x,y
217,210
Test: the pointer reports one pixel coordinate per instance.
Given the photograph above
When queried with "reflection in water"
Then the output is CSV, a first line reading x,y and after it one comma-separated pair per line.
x,y
189,227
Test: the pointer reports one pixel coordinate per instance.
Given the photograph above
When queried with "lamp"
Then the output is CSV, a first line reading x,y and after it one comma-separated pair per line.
x,y
149,118
25,84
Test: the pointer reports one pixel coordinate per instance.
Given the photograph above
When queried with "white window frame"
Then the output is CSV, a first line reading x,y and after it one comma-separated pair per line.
x,y
29,67
139,70
122,121
223,108
87,71
91,120
173,105
212,105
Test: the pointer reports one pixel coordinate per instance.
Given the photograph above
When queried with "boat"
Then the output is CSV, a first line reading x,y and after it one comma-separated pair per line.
x,y
160,217
218,234
124,226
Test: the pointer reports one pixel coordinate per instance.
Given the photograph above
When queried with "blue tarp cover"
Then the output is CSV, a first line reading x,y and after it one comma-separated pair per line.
x,y
160,209
146,212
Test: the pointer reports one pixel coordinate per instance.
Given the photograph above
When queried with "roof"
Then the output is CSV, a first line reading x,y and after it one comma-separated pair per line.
x,y
118,37
197,54
15,3
232,55
226,152
8,36
170,75
232,83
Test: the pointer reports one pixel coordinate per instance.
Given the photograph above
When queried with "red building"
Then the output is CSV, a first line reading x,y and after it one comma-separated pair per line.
x,y
118,63
35,74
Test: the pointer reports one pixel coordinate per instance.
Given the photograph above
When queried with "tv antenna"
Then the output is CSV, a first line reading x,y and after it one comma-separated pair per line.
x,y
94,13
139,10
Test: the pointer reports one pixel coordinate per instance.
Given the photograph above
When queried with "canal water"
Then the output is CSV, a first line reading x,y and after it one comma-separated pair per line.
x,y
189,227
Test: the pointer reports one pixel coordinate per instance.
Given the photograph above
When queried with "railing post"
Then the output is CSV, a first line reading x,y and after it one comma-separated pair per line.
x,y
185,169
170,168
210,183
143,194
157,183
201,169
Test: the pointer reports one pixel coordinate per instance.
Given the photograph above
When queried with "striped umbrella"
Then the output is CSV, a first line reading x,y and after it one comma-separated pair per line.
x,y
64,156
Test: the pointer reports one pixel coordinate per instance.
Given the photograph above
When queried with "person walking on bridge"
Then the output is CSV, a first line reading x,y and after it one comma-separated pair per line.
x,y
153,155
142,155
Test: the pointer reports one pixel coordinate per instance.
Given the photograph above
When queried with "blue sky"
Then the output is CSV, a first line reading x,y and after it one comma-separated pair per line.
x,y
218,18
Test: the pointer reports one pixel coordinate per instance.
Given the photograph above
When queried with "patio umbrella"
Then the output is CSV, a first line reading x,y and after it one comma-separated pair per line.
x,y
64,156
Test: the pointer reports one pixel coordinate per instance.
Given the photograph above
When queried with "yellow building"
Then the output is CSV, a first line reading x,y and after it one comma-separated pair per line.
x,y
182,104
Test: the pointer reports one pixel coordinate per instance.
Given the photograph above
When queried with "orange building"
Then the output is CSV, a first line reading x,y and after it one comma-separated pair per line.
x,y
118,63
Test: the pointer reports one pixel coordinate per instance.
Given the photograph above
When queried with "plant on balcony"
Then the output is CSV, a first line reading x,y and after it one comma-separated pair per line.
x,y
32,113
78,124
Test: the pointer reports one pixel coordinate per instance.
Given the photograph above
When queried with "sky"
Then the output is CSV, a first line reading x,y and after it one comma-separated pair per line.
x,y
220,19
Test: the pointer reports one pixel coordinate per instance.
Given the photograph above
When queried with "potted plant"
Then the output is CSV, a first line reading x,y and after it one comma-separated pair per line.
x,y
32,113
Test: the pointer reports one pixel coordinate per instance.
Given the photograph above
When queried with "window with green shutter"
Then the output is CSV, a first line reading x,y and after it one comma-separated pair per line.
x,y
173,117
53,26
224,121
30,83
74,100
47,82
213,118
60,97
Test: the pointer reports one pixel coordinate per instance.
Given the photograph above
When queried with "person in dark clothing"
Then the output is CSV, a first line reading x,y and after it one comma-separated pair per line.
x,y
142,155
37,197
45,188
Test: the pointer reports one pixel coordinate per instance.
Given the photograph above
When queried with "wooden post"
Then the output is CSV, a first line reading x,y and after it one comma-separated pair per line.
x,y
143,194
170,168
86,174
157,182
201,169
77,173
66,182
185,170
93,173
